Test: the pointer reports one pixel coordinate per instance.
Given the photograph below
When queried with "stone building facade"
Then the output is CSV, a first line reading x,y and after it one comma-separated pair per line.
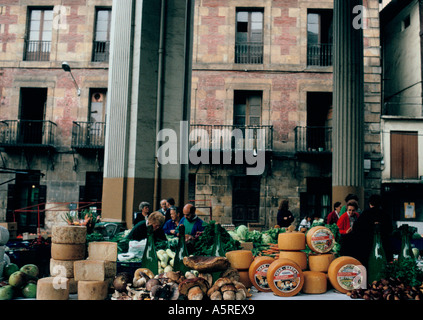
x,y
52,121
268,65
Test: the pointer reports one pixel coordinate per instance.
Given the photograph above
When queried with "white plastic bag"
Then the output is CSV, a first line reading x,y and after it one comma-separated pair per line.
x,y
137,247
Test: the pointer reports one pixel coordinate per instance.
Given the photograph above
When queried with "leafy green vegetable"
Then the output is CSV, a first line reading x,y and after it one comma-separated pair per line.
x,y
204,243
242,232
407,271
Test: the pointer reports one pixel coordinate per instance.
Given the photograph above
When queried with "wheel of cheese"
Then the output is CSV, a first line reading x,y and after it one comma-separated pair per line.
x,y
61,251
53,288
103,250
294,241
320,262
320,239
258,273
244,278
63,268
69,234
240,259
299,257
285,277
314,282
346,273
92,290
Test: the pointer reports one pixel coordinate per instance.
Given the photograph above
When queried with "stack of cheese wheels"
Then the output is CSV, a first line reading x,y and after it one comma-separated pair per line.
x,y
285,277
68,244
241,260
95,274
290,245
258,273
320,240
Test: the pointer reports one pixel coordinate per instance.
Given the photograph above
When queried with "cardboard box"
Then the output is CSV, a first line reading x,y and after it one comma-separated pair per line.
x,y
11,226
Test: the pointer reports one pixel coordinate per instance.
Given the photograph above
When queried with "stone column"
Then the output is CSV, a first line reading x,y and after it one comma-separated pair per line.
x,y
118,111
348,101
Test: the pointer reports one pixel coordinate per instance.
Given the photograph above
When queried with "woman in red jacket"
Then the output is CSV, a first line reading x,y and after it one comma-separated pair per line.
x,y
346,221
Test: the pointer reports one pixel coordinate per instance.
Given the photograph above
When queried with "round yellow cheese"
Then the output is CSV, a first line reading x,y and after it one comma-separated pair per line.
x,y
69,234
61,251
294,241
285,277
299,257
240,259
258,273
314,282
92,290
346,273
53,288
320,262
320,239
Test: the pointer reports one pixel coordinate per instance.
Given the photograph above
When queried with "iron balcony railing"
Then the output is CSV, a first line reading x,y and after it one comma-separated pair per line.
x,y
319,54
101,50
88,135
37,50
21,133
313,139
231,137
249,52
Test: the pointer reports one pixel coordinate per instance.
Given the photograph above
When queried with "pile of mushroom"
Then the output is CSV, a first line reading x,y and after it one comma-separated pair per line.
x,y
227,289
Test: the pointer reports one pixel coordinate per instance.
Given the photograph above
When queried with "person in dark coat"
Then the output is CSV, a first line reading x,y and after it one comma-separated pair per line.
x,y
285,217
364,228
139,231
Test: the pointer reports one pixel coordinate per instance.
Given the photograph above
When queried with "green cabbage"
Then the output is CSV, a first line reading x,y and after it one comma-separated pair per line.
x,y
242,232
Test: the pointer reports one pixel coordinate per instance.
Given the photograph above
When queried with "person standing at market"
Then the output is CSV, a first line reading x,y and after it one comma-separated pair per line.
x,y
139,231
345,224
364,229
170,202
171,225
305,224
194,226
284,217
163,207
333,217
142,214
349,197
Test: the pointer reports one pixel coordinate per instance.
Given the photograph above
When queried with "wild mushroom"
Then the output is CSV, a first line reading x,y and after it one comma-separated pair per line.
x,y
241,291
194,289
151,283
168,291
228,292
231,273
140,279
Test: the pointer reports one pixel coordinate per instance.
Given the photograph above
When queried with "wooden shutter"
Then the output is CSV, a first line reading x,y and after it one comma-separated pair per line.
x,y
404,155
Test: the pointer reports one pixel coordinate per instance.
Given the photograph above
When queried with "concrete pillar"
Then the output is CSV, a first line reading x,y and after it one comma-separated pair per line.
x,y
149,87
348,101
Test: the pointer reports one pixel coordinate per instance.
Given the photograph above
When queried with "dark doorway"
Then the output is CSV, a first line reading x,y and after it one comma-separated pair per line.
x,y
93,189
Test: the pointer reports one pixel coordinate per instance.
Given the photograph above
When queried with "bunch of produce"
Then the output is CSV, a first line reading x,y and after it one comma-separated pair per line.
x,y
21,282
263,241
204,244
166,259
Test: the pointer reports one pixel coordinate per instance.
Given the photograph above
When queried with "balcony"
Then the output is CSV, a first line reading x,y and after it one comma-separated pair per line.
x,y
27,134
249,53
231,138
313,140
37,50
88,135
101,50
319,55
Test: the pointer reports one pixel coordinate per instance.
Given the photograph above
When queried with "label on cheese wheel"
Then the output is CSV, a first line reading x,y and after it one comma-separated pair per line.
x,y
258,273
286,279
350,277
320,239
